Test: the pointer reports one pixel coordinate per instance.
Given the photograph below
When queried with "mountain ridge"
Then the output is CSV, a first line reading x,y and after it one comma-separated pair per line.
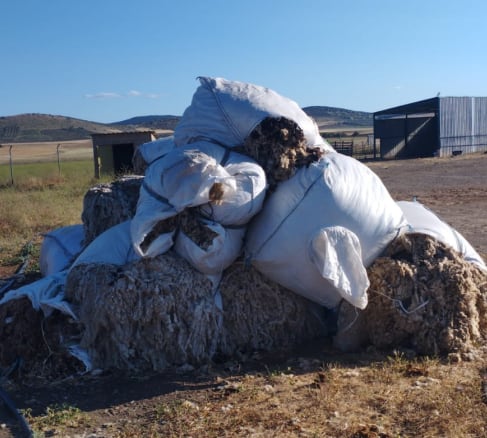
x,y
37,127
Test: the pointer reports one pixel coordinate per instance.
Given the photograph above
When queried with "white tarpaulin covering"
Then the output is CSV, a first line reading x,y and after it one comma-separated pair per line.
x,y
153,150
113,247
226,112
60,247
45,294
319,231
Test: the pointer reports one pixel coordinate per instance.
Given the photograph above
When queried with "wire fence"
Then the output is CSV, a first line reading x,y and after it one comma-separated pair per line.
x,y
20,160
49,159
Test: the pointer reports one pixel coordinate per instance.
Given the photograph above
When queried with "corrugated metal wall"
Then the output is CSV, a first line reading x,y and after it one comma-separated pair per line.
x,y
462,125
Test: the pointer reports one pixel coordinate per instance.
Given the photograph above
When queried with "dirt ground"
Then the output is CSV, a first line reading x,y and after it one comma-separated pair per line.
x,y
454,188
179,403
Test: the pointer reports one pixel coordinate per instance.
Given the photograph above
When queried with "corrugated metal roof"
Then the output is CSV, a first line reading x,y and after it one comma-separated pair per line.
x,y
123,132
421,106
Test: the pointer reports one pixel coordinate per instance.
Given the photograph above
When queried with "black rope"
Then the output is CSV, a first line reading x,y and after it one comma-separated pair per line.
x,y
16,413
10,405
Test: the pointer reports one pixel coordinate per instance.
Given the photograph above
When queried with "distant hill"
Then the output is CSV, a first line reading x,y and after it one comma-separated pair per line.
x,y
46,127
328,117
151,122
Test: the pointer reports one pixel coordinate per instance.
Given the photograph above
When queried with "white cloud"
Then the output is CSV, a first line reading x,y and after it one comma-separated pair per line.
x,y
131,93
103,95
135,93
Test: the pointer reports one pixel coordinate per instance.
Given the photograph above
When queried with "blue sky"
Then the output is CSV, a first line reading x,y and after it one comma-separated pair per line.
x,y
109,60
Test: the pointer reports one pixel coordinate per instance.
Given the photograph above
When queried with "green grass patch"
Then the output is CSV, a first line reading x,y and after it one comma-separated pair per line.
x,y
56,416
40,200
35,175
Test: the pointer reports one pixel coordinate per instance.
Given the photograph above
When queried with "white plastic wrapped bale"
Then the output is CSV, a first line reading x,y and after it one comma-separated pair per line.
x,y
227,188
180,179
224,249
319,230
227,111
59,248
422,220
149,152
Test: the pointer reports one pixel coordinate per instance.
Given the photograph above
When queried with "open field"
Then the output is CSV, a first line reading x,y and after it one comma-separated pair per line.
x,y
314,391
45,151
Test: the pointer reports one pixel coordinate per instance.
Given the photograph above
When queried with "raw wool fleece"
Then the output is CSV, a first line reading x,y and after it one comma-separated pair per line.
x,y
106,205
159,313
279,146
40,342
150,314
258,314
444,299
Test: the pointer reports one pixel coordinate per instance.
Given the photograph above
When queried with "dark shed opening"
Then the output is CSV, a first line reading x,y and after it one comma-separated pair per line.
x,y
408,131
113,152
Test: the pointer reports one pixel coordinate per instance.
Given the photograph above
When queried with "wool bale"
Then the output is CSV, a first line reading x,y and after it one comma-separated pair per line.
x,y
258,314
147,315
106,205
425,296
40,343
158,313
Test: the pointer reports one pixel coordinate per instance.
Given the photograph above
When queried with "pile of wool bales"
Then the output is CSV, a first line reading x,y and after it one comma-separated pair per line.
x,y
239,231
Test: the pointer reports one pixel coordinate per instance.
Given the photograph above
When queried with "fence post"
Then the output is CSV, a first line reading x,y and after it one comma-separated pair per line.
x,y
58,161
11,164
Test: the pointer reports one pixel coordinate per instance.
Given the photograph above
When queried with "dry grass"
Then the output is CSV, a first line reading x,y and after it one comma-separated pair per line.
x,y
367,396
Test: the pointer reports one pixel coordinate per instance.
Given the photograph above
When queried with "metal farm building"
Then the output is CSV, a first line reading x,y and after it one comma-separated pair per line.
x,y
440,126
